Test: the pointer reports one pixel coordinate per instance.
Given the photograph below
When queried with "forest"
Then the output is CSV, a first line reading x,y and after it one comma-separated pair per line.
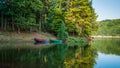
x,y
109,27
78,17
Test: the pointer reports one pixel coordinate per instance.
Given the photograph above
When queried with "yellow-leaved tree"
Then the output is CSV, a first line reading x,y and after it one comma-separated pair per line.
x,y
80,17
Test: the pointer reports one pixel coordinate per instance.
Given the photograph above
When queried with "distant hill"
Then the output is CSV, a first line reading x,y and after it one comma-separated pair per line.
x,y
109,27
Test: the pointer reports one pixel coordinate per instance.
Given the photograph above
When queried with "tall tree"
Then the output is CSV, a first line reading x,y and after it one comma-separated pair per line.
x,y
80,17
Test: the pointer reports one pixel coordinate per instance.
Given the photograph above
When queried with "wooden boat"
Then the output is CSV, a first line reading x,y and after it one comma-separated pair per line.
x,y
55,41
40,41
43,41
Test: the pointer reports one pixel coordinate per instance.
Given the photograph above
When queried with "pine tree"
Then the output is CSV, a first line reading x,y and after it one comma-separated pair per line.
x,y
62,33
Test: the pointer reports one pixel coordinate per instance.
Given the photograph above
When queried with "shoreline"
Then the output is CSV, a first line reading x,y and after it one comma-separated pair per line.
x,y
100,36
17,41
13,37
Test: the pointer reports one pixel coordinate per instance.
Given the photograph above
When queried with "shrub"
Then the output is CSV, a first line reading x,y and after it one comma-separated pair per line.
x,y
73,41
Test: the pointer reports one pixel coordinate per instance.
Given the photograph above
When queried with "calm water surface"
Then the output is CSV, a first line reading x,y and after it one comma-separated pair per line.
x,y
104,53
108,53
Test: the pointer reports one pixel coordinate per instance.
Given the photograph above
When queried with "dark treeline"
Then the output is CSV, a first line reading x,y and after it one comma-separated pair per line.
x,y
21,14
109,27
77,16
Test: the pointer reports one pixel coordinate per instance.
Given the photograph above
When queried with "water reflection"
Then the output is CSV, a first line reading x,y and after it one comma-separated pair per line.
x,y
108,53
81,57
107,61
58,56
108,46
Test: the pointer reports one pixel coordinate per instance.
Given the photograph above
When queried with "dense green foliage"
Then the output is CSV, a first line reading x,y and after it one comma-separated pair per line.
x,y
19,14
73,41
80,17
109,27
62,33
47,15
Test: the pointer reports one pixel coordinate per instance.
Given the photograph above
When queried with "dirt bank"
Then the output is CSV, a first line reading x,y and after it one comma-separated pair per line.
x,y
23,37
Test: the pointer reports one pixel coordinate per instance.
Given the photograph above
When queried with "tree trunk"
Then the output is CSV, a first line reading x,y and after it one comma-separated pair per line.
x,y
13,28
5,23
40,22
31,29
2,22
18,29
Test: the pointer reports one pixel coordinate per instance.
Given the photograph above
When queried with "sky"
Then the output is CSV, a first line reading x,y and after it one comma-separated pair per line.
x,y
107,9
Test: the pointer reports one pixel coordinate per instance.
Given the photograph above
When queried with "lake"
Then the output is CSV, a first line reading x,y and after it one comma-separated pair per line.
x,y
103,53
108,53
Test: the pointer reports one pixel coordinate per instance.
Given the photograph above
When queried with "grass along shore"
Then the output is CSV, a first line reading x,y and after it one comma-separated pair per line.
x,y
23,36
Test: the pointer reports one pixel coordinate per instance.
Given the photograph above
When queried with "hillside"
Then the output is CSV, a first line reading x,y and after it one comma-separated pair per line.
x,y
109,27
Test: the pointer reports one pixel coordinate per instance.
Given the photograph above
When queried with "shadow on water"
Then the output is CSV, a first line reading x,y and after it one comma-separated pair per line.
x,y
58,56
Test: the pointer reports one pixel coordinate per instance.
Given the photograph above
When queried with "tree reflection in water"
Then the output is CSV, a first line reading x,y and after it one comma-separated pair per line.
x,y
59,56
108,46
81,57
